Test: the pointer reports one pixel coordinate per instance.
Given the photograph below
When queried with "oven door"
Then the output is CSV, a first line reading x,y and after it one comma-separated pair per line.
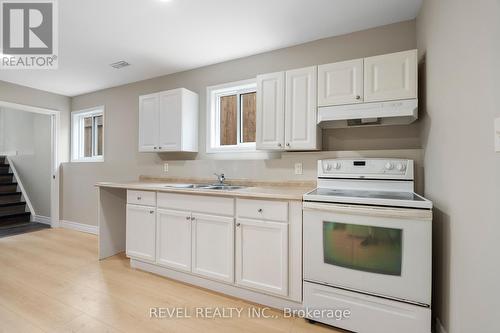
x,y
377,250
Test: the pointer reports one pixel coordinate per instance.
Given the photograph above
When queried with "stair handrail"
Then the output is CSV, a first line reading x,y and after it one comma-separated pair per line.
x,y
21,187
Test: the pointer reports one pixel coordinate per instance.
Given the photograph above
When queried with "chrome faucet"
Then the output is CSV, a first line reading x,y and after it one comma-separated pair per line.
x,y
220,178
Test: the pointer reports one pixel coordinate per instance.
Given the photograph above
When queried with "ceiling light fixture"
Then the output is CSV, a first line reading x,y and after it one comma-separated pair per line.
x,y
120,64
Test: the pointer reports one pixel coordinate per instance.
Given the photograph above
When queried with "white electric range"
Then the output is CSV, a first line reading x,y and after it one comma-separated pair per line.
x,y
368,246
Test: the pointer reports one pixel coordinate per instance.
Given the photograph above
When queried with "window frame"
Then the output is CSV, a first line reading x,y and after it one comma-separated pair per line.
x,y
77,134
214,93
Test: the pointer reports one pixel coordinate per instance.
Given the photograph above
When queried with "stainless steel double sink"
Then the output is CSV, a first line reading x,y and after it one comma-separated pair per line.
x,y
220,187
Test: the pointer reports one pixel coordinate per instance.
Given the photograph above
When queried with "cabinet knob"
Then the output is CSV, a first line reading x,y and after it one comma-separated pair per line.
x,y
279,144
188,217
288,144
139,198
259,210
192,218
159,147
358,97
151,211
238,224
155,147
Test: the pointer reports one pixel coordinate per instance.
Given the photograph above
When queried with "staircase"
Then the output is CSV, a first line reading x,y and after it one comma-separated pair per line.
x,y
12,208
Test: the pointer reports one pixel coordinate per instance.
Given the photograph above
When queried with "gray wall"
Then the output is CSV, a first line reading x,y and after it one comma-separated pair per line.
x,y
28,136
459,44
124,162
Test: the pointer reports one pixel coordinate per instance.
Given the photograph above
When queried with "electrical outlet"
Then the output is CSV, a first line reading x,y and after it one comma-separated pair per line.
x,y
165,167
298,168
497,135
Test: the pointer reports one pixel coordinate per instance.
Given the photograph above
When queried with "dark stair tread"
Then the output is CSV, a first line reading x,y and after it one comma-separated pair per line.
x,y
9,204
21,228
6,215
10,193
8,184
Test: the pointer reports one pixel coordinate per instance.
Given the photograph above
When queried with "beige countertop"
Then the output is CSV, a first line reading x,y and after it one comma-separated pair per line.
x,y
292,190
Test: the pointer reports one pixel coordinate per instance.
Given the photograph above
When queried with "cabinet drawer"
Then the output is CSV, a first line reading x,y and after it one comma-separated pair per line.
x,y
144,198
262,209
197,203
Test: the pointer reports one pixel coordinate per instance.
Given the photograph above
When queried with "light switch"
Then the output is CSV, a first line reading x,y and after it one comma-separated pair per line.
x,y
165,167
298,168
497,134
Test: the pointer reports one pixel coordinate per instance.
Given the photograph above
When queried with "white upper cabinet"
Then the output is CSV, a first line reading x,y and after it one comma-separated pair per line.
x,y
301,109
149,110
340,83
286,110
168,121
391,76
270,111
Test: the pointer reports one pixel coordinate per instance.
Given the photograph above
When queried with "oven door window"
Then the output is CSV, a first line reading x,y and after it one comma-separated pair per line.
x,y
363,248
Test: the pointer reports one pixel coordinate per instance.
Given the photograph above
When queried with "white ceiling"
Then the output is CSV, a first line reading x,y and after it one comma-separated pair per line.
x,y
162,37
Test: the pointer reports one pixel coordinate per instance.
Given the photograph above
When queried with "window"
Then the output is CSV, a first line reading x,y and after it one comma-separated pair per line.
x,y
87,128
231,117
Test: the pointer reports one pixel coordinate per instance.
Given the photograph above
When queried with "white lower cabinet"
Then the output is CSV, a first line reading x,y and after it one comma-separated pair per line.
x,y
140,232
262,255
213,246
173,239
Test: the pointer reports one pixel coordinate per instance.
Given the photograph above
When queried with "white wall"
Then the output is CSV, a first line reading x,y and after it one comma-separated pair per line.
x,y
459,44
28,136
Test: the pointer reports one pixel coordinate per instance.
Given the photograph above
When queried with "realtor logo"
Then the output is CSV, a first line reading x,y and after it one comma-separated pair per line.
x,y
29,34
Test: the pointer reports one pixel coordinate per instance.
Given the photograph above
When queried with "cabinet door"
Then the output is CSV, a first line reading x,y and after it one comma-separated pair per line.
x,y
301,109
262,255
213,246
391,76
148,122
140,232
170,121
173,239
340,83
270,123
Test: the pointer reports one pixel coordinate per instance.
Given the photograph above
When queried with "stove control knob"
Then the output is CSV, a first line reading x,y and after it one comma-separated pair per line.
x,y
389,166
401,167
328,167
337,165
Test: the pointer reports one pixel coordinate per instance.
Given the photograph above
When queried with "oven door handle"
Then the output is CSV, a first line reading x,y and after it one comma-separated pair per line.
x,y
389,212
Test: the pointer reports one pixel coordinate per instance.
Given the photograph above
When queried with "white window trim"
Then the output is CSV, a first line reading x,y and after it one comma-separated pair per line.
x,y
213,130
76,144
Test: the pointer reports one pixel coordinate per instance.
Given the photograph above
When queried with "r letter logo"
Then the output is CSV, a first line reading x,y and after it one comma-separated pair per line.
x,y
29,34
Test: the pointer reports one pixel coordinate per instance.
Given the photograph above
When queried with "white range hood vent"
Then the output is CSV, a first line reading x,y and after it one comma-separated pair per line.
x,y
401,112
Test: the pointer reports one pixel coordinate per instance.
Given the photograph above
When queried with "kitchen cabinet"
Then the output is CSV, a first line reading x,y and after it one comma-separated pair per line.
x,y
173,239
286,110
391,76
262,255
213,246
168,121
340,83
140,232
270,129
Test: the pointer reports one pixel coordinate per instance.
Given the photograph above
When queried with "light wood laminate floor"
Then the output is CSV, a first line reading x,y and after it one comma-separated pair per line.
x,y
51,281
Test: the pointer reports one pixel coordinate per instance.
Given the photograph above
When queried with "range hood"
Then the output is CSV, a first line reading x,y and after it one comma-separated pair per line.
x,y
400,112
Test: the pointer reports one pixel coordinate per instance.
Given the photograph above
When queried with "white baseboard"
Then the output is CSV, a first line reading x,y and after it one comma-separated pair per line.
x,y
42,219
91,229
439,326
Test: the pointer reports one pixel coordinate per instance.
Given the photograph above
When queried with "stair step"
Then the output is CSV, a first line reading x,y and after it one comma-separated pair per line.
x,y
4,168
10,197
13,218
6,178
8,187
13,207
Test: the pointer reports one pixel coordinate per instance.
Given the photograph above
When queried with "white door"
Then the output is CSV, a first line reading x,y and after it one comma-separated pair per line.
x,y
270,123
170,121
148,122
173,239
213,247
301,109
340,83
391,76
140,230
262,255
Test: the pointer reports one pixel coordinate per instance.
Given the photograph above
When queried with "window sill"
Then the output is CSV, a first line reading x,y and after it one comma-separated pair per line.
x,y
87,160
